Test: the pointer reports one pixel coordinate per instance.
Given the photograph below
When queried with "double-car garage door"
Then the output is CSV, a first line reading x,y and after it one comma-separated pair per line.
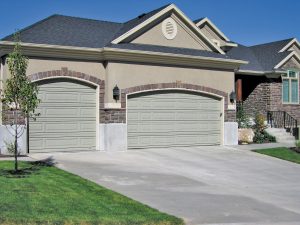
x,y
67,120
173,118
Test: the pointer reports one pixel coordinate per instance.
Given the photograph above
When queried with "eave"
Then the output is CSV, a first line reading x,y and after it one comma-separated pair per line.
x,y
114,54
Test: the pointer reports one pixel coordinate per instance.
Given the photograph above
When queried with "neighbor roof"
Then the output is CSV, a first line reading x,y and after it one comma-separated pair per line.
x,y
263,57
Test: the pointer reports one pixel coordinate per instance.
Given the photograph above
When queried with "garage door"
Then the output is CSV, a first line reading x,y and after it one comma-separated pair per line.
x,y
67,120
173,118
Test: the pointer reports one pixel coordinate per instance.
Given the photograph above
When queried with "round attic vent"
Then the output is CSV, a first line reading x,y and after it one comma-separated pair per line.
x,y
169,28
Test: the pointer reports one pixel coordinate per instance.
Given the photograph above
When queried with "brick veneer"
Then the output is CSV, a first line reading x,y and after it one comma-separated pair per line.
x,y
229,114
267,96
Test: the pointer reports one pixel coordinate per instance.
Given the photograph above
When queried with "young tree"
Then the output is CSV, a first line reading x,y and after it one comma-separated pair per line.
x,y
19,94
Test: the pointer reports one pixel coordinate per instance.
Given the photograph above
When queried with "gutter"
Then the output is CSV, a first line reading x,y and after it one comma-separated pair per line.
x,y
107,53
260,73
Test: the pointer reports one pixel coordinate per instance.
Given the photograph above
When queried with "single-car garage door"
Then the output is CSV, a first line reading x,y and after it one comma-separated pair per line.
x,y
173,118
67,120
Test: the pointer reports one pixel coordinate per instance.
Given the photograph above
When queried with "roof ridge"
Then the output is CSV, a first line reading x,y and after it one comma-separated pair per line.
x,y
272,42
144,14
83,18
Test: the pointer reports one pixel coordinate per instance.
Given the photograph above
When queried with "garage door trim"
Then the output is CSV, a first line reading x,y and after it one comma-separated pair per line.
x,y
220,97
96,85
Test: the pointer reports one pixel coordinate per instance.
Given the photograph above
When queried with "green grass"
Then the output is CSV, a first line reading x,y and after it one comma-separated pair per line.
x,y
48,195
281,153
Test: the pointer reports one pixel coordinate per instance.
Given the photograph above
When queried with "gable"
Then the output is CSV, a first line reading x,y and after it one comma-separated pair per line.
x,y
292,63
184,38
295,48
139,26
211,34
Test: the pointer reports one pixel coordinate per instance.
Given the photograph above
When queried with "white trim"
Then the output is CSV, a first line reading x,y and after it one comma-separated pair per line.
x,y
290,87
221,98
158,15
213,26
293,53
257,73
97,101
293,41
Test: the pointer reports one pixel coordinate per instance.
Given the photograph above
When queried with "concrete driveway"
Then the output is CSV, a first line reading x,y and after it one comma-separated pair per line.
x,y
203,185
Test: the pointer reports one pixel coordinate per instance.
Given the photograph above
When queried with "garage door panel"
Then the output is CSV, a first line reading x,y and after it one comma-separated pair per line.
x,y
176,115
173,118
166,126
67,118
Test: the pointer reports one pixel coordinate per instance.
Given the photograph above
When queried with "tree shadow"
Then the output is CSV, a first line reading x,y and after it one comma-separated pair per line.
x,y
32,168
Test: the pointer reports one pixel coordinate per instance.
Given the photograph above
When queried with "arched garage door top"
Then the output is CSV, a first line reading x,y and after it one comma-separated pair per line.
x,y
173,118
67,120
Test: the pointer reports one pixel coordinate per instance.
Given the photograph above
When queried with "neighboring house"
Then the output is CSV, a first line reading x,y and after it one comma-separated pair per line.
x,y
158,80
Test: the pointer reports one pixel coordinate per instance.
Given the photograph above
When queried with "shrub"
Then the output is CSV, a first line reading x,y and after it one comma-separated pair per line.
x,y
259,123
297,143
263,137
242,118
10,146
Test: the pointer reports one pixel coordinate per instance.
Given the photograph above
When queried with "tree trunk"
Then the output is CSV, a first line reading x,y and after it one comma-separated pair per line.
x,y
16,140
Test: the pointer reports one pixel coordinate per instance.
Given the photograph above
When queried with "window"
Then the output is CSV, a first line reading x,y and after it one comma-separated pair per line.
x,y
290,87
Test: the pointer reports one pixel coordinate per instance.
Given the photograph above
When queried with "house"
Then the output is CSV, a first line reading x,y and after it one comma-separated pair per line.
x,y
158,80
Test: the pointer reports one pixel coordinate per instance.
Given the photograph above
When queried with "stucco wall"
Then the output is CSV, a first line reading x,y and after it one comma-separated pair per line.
x,y
183,39
130,75
36,65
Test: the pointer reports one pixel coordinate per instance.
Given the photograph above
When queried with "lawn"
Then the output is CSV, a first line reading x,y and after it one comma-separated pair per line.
x,y
281,153
48,195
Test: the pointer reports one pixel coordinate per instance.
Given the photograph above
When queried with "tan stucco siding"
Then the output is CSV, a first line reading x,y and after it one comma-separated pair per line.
x,y
43,65
91,68
210,34
130,75
292,64
294,48
184,38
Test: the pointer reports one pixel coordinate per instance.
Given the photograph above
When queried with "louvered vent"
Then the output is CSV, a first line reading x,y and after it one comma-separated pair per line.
x,y
169,28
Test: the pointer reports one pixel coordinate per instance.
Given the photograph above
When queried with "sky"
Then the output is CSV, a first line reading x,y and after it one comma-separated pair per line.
x,y
247,22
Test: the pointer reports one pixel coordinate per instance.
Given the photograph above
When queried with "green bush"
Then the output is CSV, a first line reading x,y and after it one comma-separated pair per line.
x,y
259,123
263,137
242,118
297,143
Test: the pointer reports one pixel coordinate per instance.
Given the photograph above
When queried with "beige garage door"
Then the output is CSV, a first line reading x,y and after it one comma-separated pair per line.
x,y
67,120
173,118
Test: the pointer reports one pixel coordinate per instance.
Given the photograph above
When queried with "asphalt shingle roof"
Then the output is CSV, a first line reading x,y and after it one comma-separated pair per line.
x,y
262,57
79,32
69,31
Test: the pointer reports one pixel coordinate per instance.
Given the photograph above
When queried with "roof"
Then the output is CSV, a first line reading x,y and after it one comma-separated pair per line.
x,y
263,57
172,50
69,31
78,32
